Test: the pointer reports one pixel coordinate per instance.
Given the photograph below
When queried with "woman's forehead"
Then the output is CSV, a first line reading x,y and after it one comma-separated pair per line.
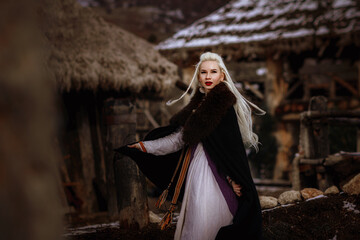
x,y
210,64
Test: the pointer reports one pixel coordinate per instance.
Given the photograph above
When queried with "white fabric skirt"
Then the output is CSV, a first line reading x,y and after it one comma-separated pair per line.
x,y
204,209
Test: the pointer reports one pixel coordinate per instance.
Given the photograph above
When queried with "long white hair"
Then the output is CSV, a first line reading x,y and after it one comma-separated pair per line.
x,y
242,105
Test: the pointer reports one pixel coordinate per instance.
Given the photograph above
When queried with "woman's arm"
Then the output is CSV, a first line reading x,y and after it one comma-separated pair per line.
x,y
161,146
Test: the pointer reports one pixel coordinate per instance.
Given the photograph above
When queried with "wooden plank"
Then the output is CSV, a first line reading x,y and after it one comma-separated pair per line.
x,y
318,85
346,85
164,110
87,159
274,84
358,68
306,88
101,146
126,184
344,121
358,139
335,114
316,161
332,90
150,118
254,90
293,88
272,182
313,132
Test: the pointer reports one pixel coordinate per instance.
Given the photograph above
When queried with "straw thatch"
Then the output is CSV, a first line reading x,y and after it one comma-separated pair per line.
x,y
255,26
89,53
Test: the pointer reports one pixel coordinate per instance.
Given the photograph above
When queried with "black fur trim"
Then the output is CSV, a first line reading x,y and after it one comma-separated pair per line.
x,y
208,113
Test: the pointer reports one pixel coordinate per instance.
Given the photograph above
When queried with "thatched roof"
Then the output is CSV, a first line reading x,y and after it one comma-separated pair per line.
x,y
89,53
252,26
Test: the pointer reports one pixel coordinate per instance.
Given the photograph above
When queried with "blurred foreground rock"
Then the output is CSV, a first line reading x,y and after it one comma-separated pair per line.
x,y
268,202
332,190
308,193
353,186
289,197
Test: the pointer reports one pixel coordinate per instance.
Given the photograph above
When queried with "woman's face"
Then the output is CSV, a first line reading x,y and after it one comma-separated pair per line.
x,y
210,75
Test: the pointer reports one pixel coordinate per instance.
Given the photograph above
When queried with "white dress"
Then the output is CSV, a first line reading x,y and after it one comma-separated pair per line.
x,y
204,209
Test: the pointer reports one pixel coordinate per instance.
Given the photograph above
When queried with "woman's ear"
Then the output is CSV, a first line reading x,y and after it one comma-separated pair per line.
x,y
222,76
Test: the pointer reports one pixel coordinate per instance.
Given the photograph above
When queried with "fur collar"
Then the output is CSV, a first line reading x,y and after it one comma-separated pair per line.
x,y
203,113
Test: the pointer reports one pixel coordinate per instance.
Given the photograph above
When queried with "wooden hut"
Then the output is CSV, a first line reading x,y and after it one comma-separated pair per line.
x,y
282,53
102,72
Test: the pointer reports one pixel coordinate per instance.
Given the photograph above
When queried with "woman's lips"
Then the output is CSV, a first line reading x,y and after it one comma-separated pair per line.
x,y
208,83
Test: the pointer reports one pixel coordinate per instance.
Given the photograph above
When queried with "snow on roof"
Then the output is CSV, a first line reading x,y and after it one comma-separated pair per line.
x,y
251,21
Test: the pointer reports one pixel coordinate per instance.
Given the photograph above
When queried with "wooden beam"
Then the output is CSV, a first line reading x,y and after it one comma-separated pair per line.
x,y
150,118
358,67
306,88
126,183
316,161
314,131
332,90
182,86
316,114
101,146
272,182
323,48
346,85
274,83
293,88
358,139
87,158
344,121
165,111
254,90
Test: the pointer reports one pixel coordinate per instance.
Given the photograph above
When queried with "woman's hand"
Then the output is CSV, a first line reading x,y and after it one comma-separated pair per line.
x,y
236,187
135,145
138,145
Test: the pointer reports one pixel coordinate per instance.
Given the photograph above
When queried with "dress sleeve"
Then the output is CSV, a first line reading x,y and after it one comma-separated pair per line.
x,y
162,146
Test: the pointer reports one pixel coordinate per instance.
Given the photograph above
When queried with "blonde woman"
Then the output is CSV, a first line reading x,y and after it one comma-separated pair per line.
x,y
200,159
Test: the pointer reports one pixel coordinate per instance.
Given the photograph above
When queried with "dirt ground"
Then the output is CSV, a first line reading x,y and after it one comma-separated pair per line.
x,y
333,217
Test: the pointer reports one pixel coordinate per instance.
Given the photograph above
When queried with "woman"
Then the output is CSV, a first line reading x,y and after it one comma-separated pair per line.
x,y
209,135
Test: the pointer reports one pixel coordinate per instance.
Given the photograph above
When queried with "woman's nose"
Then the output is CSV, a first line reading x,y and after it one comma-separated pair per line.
x,y
208,76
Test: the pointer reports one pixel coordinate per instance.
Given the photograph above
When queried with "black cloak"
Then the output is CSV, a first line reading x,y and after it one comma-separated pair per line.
x,y
211,120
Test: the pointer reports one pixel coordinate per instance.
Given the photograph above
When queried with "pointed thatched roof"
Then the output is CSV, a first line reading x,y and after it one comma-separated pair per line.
x,y
89,53
252,26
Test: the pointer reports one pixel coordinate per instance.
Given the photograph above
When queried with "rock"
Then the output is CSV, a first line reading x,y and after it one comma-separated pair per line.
x,y
308,193
332,190
289,197
268,202
353,186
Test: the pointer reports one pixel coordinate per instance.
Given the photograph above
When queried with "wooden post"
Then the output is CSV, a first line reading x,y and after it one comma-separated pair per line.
x,y
358,129
275,86
319,128
285,141
358,67
97,134
314,136
358,139
275,91
126,184
87,159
